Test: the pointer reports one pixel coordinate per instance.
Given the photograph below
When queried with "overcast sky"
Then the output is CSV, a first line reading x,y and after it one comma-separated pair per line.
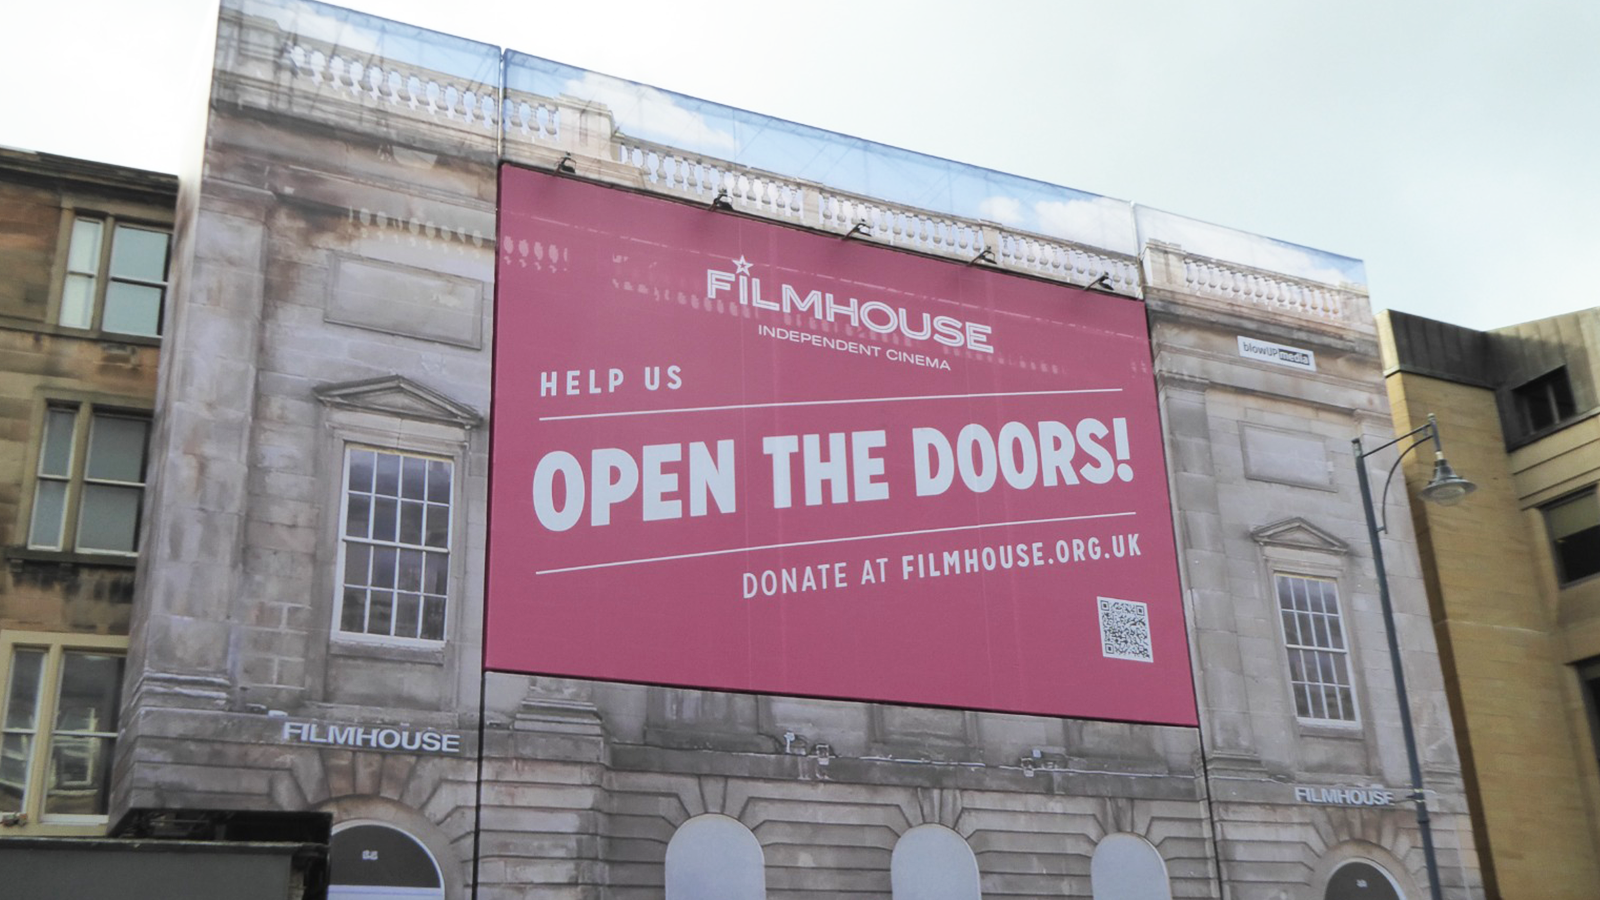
x,y
1451,145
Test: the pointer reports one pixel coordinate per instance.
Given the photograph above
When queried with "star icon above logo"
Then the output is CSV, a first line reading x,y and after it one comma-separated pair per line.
x,y
742,265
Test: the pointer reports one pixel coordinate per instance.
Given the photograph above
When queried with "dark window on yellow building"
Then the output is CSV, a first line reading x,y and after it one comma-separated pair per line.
x,y
58,724
116,278
1574,526
1544,401
90,480
1589,674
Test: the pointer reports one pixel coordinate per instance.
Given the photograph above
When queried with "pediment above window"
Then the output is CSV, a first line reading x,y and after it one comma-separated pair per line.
x,y
1298,534
398,396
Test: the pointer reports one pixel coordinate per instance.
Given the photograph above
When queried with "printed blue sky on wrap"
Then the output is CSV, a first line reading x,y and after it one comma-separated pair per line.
x,y
847,164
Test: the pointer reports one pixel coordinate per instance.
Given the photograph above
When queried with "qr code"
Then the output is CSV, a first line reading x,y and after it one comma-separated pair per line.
x,y
1125,630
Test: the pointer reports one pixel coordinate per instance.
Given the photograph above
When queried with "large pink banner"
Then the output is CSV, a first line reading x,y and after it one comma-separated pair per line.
x,y
733,455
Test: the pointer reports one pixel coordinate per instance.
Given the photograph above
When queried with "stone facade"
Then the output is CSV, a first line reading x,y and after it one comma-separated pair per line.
x,y
335,295
65,368
1514,638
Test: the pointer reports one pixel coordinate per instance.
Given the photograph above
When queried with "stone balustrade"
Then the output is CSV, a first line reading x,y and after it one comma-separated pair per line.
x,y
1170,267
805,203
540,130
371,81
670,171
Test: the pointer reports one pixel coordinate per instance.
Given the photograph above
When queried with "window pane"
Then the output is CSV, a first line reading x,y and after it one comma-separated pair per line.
x,y
438,481
437,533
14,752
358,516
108,520
55,457
1574,526
77,301
413,475
1579,554
384,515
356,557
79,779
438,574
139,253
49,509
433,618
380,612
132,309
22,694
361,470
91,687
383,566
1572,516
354,615
83,254
410,578
411,522
407,613
117,449
388,481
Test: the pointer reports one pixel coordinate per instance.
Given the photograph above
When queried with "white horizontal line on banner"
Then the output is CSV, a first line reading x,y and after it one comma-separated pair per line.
x,y
690,409
837,540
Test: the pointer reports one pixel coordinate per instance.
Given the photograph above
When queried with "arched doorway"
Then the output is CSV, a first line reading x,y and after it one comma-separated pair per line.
x,y
715,857
931,862
373,861
1128,867
1361,880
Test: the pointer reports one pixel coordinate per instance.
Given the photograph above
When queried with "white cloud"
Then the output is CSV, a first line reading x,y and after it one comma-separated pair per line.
x,y
652,114
1005,210
1252,250
1098,221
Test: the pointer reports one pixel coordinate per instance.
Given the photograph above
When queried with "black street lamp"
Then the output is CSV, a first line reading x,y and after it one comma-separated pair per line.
x,y
1446,488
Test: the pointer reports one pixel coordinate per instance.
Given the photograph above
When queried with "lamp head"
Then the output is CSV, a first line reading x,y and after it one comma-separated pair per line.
x,y
1446,488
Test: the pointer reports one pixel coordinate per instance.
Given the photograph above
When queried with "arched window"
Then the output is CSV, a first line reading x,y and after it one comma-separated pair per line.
x,y
931,862
714,857
1361,880
1126,867
377,862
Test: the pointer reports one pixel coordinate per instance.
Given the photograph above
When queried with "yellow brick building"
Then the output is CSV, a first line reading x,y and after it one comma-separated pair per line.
x,y
84,251
1513,578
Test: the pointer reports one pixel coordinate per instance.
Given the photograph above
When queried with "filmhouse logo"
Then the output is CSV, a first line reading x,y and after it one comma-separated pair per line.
x,y
874,315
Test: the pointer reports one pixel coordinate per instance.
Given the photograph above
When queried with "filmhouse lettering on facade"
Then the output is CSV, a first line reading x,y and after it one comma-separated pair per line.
x,y
733,455
1344,796
378,737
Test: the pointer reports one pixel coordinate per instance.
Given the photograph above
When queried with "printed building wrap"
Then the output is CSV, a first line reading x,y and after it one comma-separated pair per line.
x,y
310,613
